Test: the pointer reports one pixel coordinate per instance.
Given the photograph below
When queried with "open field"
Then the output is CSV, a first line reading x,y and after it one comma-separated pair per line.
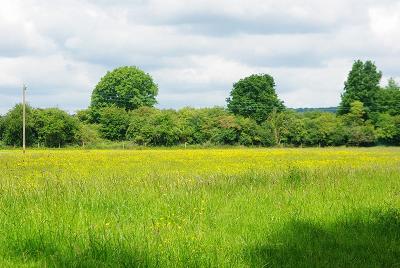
x,y
217,207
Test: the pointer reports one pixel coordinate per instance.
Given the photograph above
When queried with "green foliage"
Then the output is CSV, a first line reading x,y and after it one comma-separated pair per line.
x,y
114,123
55,127
250,132
254,97
356,115
12,133
359,132
388,98
125,87
2,126
363,135
140,130
217,126
323,129
84,116
362,85
192,122
87,134
285,128
149,126
226,130
388,129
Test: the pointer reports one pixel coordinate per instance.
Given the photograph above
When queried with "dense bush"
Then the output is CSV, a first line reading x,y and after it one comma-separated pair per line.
x,y
113,123
323,129
50,127
388,129
87,134
12,131
149,126
206,126
54,127
2,127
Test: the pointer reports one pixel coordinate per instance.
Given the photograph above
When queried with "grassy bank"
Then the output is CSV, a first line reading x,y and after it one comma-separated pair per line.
x,y
216,207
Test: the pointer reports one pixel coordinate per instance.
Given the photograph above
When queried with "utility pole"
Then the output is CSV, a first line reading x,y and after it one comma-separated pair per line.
x,y
23,117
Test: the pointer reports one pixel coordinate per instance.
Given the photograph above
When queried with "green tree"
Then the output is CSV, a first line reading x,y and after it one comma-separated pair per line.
x,y
359,132
125,87
362,85
55,127
254,97
114,123
389,98
12,134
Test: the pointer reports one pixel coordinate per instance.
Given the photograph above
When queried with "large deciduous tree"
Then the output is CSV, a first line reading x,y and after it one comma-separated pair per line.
x,y
254,97
362,85
125,87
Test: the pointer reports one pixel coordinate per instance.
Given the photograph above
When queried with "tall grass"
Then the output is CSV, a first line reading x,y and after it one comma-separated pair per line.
x,y
197,208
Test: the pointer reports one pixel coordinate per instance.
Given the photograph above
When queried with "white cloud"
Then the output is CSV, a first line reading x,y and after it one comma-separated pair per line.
x,y
384,23
194,49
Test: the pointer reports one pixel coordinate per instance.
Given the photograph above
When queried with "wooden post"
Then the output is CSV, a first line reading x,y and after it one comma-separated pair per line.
x,y
23,119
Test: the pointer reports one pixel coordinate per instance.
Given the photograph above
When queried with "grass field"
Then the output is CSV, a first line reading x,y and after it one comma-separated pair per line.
x,y
195,208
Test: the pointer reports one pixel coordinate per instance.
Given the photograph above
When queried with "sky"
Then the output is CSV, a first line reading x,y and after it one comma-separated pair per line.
x,y
194,49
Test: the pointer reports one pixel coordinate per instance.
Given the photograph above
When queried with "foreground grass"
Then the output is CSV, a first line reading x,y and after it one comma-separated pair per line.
x,y
233,207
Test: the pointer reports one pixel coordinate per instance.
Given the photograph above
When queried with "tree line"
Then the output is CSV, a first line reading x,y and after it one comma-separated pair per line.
x,y
122,109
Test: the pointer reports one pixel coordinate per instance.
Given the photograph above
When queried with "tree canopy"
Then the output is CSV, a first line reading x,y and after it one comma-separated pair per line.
x,y
125,87
254,97
362,85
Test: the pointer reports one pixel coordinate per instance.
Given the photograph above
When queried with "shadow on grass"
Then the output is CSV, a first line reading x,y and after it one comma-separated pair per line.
x,y
39,253
365,239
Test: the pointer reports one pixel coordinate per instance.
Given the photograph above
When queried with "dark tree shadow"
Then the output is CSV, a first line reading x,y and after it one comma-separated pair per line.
x,y
42,254
364,239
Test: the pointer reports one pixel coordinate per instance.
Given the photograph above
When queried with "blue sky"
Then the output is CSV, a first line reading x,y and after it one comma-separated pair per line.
x,y
195,50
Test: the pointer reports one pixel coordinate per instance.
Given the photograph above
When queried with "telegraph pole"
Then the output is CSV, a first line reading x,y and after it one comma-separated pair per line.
x,y
23,117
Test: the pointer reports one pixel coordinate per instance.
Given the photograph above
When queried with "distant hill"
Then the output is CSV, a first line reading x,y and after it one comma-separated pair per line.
x,y
326,109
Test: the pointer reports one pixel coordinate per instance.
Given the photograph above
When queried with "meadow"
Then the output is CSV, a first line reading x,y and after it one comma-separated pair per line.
x,y
330,207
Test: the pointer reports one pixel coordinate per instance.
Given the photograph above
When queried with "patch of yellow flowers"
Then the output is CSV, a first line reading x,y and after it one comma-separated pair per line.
x,y
187,165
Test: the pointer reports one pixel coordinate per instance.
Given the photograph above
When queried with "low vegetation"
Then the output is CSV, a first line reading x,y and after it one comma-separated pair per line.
x,y
205,208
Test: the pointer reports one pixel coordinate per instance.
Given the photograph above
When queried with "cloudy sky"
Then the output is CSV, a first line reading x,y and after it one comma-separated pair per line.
x,y
194,49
